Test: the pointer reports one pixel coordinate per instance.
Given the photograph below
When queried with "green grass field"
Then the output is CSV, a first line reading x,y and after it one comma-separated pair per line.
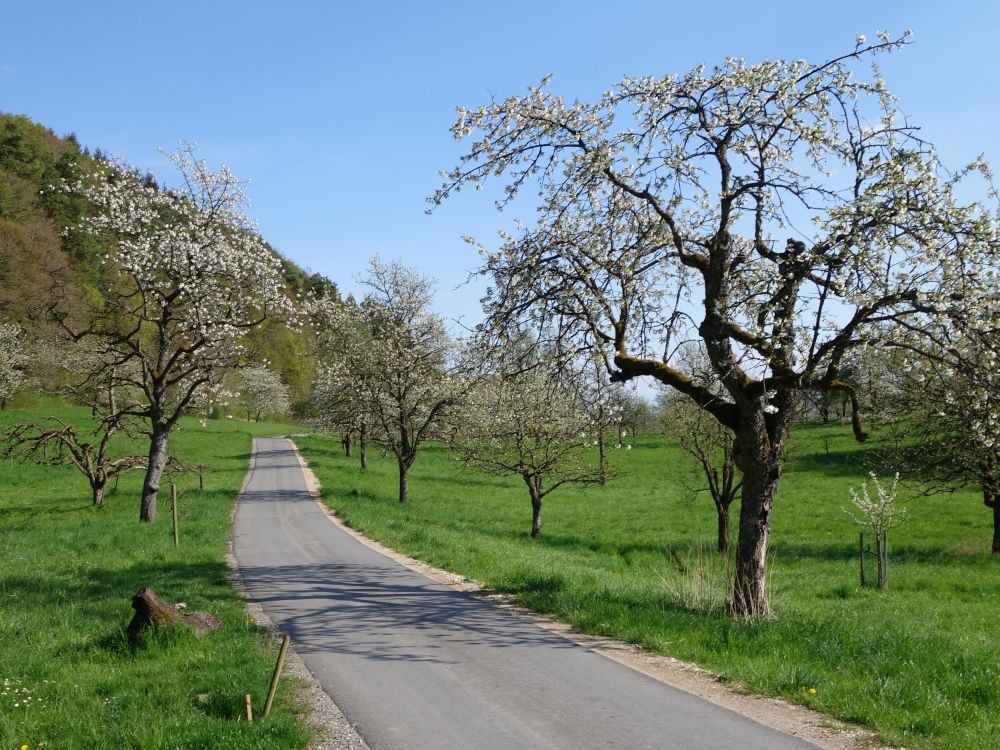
x,y
68,678
920,664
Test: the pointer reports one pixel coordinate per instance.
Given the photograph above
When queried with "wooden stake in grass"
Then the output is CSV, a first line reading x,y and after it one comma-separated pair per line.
x,y
173,513
277,675
249,709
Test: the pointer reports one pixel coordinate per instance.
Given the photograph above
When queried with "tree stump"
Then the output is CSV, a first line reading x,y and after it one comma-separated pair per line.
x,y
151,610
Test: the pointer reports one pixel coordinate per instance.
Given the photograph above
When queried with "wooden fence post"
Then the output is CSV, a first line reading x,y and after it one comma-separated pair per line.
x,y
277,674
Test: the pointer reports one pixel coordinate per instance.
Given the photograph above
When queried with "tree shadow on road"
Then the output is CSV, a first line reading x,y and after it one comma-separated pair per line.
x,y
384,613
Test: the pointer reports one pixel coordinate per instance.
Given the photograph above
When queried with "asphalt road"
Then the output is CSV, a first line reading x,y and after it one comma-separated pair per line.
x,y
418,666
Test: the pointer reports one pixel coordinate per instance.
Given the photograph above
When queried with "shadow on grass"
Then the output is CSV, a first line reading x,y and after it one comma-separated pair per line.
x,y
114,642
151,643
71,506
792,552
357,493
228,705
564,542
104,594
835,464
315,448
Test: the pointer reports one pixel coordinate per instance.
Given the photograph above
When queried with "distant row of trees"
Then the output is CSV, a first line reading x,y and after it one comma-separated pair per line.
x,y
392,375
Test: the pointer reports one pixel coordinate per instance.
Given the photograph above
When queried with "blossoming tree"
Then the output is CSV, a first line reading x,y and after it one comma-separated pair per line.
x,y
604,401
185,278
401,372
263,391
944,424
344,387
775,211
531,425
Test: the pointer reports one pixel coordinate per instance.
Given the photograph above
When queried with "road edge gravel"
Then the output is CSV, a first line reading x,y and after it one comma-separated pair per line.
x,y
330,729
786,717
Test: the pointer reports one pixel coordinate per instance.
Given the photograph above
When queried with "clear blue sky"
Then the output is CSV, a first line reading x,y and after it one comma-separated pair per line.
x,y
339,113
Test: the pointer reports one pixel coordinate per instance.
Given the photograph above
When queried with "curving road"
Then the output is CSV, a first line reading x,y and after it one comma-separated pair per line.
x,y
418,666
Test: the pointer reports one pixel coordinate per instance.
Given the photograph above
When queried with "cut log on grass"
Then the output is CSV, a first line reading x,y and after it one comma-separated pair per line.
x,y
151,610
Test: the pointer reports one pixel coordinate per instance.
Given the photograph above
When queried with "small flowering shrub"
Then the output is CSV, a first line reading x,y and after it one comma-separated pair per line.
x,y
878,514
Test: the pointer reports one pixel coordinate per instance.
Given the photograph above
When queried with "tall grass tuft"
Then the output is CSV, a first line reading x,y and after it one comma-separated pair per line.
x,y
697,579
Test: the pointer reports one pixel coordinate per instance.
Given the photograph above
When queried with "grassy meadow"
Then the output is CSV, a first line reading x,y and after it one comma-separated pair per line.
x,y
635,560
68,678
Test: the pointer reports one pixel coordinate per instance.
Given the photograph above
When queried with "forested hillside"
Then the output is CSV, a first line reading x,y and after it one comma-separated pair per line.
x,y
42,256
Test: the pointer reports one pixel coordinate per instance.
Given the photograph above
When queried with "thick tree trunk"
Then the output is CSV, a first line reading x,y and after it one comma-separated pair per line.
x,y
760,482
363,447
348,444
535,491
98,489
759,443
157,463
996,527
722,514
993,502
404,486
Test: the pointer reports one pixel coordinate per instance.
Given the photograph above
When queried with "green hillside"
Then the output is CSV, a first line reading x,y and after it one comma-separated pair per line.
x,y
41,255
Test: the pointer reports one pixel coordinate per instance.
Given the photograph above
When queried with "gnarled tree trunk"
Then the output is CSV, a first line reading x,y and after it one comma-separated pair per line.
x,y
158,458
536,517
97,487
404,482
535,490
758,453
363,446
760,482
